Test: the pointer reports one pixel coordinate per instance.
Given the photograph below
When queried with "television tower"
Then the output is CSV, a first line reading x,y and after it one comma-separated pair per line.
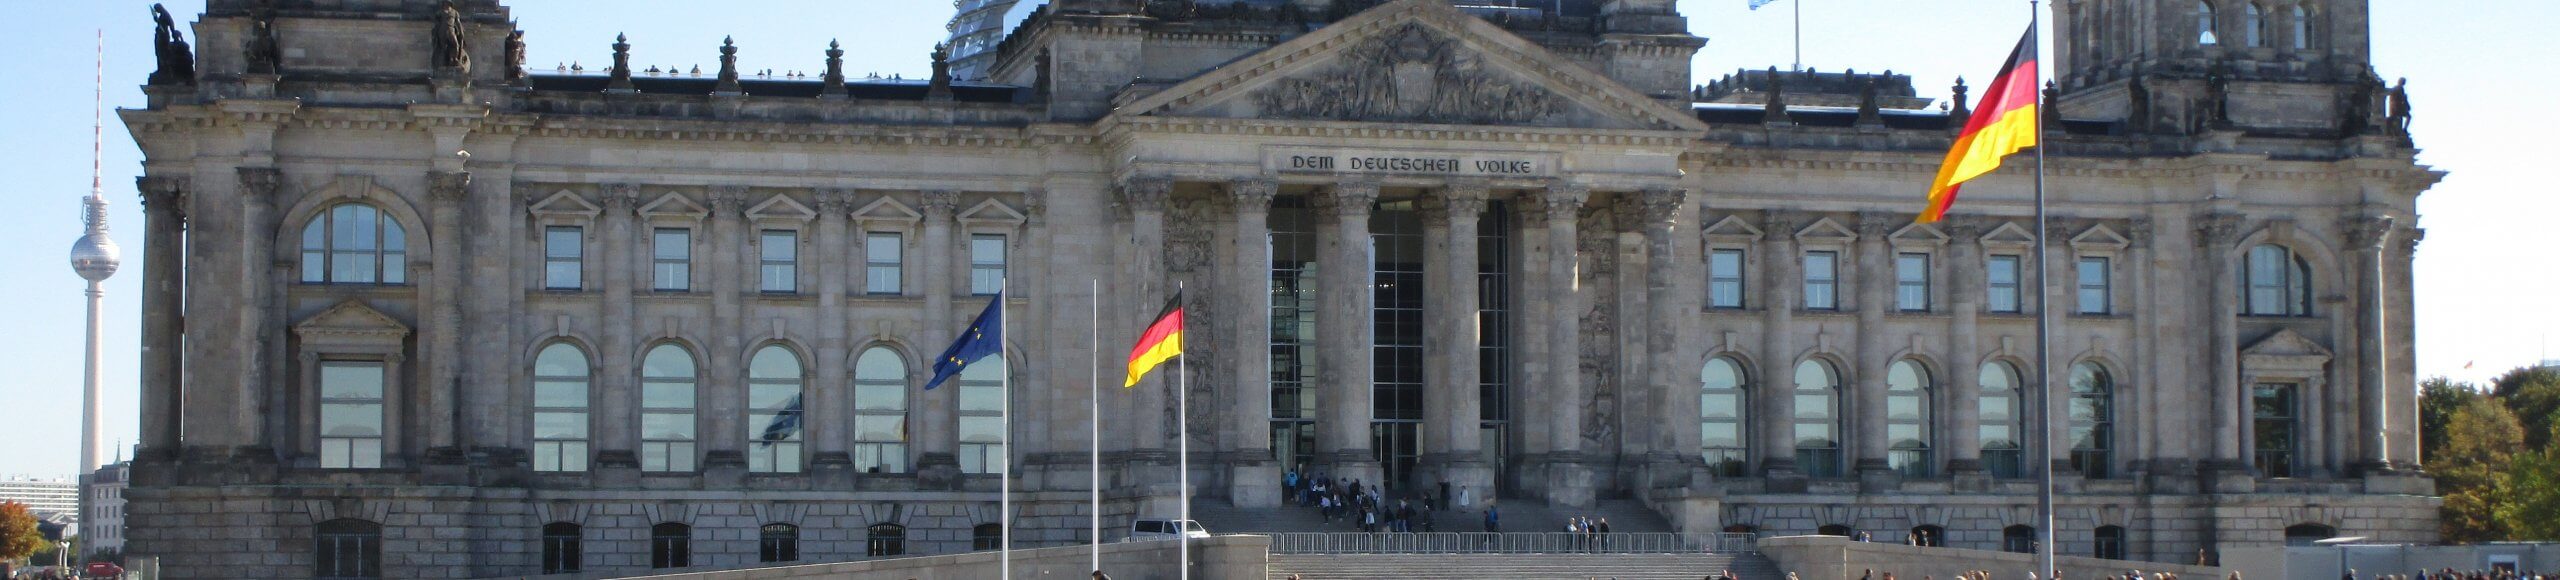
x,y
95,257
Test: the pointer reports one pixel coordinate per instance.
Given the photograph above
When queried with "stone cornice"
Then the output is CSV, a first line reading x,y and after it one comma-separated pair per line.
x,y
1123,128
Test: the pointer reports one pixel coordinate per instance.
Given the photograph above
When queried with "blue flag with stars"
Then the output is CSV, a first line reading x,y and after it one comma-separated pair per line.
x,y
983,337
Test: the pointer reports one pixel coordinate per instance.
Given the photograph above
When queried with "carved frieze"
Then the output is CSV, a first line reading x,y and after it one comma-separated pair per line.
x,y
1411,75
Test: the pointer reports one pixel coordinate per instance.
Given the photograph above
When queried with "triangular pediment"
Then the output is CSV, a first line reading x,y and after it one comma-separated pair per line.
x,y
673,205
352,318
1414,61
2286,343
781,208
992,212
2100,237
1826,230
1733,227
565,204
2009,234
1918,234
887,209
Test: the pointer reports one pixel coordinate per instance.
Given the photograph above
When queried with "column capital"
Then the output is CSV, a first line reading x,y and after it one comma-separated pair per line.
x,y
1778,225
2409,242
448,186
1350,198
940,204
1146,194
728,201
1035,206
1963,232
1528,208
259,181
2218,230
1253,195
1564,200
1662,204
2138,231
834,202
162,193
1874,226
620,198
2370,231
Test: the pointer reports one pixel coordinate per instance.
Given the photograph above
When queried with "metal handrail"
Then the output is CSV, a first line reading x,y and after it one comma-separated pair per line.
x,y
1510,543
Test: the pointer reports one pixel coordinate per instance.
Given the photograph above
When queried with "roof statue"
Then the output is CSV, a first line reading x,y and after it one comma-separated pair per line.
x,y
451,51
177,61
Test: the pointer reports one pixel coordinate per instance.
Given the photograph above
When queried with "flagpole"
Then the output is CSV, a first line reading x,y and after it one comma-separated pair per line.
x,y
1004,413
1096,469
1800,34
1182,429
2044,318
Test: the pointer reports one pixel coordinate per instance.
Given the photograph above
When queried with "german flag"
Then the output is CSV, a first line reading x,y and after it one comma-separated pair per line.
x,y
1162,342
2007,122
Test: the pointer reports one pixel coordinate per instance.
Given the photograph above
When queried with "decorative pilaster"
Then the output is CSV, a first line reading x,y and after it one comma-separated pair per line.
x,y
831,458
1346,346
261,313
1570,481
617,440
443,330
938,436
2371,235
1250,480
1669,301
1143,287
2215,235
1963,436
1866,382
1778,307
723,393
163,313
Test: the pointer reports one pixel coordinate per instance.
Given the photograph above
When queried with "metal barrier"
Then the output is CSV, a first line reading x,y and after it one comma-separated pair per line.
x,y
1510,543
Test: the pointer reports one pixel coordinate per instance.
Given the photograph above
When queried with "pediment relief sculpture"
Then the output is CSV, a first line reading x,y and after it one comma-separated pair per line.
x,y
1414,75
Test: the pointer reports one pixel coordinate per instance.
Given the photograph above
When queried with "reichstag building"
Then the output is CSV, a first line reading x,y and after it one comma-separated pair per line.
x,y
416,310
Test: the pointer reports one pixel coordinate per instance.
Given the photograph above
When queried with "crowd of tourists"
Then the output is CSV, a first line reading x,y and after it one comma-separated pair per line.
x,y
1364,505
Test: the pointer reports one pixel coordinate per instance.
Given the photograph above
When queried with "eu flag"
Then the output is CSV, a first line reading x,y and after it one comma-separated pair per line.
x,y
983,337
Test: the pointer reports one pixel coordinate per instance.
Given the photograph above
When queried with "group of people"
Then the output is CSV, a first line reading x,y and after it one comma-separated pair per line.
x,y
1364,505
2451,574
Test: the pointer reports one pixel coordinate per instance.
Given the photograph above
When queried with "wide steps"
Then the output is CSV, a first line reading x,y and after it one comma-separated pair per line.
x,y
1625,516
1508,566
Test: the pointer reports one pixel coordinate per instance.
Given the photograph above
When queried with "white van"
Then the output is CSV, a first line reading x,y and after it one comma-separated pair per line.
x,y
1152,530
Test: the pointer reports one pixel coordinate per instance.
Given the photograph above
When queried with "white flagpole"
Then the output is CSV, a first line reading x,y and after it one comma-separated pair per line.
x,y
1800,34
1096,470
1182,427
2044,314
1004,411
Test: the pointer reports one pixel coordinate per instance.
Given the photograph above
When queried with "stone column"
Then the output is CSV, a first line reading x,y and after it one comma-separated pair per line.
x,y
617,388
2371,234
1570,479
2215,236
1670,295
1346,348
829,404
260,310
722,394
938,435
1529,434
1453,349
1875,280
1778,300
163,312
1962,441
443,329
1141,293
1251,478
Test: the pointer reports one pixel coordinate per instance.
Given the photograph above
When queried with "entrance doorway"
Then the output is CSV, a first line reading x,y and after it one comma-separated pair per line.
x,y
1399,445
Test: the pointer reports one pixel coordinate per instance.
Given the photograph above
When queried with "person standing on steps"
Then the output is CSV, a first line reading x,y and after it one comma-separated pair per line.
x,y
1492,519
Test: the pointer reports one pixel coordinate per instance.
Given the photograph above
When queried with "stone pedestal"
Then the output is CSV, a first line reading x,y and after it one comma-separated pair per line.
x,y
2227,477
938,471
1875,476
1570,482
1253,483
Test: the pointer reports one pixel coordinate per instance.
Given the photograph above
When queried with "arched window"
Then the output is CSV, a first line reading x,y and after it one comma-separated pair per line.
x,y
886,540
1929,536
670,545
774,411
1907,405
2254,26
986,537
353,243
2110,543
2018,539
982,416
2093,418
666,409
2305,534
2301,28
1817,420
1723,416
2204,24
563,548
349,549
560,408
778,543
2278,283
880,412
2003,449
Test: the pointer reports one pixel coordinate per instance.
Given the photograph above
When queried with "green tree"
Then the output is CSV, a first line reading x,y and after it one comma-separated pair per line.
x,y
2438,398
2534,394
2480,441
2529,506
18,537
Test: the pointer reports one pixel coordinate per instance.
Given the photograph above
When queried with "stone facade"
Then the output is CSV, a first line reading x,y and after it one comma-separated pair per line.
x,y
402,294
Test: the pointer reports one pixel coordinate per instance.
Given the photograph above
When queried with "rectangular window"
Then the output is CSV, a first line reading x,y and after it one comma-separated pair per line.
x,y
780,273
351,415
885,252
671,260
2004,284
1911,282
1724,279
981,426
559,424
563,257
2095,296
1822,280
2272,405
986,264
666,426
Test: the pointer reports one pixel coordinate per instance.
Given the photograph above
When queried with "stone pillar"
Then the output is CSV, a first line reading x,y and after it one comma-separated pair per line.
x,y
1670,294
260,310
1570,478
1875,280
937,437
616,379
443,329
163,313
2215,236
1453,349
1346,349
1778,302
1141,294
2371,234
1962,446
1529,435
830,401
721,398
1252,479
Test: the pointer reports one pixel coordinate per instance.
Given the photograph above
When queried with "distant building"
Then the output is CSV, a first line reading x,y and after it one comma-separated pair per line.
x,y
106,508
43,496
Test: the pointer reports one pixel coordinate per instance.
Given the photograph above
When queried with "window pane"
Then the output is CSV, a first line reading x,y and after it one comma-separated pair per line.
x,y
672,244
559,394
667,361
559,425
350,381
879,428
892,397
351,420
560,360
666,395
352,267
562,242
771,396
666,426
395,268
315,267
560,275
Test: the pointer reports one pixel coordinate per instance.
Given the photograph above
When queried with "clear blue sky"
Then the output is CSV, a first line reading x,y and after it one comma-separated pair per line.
x,y
2487,272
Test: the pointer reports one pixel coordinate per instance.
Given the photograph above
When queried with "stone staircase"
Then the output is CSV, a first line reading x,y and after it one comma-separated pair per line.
x,y
1508,566
1625,516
